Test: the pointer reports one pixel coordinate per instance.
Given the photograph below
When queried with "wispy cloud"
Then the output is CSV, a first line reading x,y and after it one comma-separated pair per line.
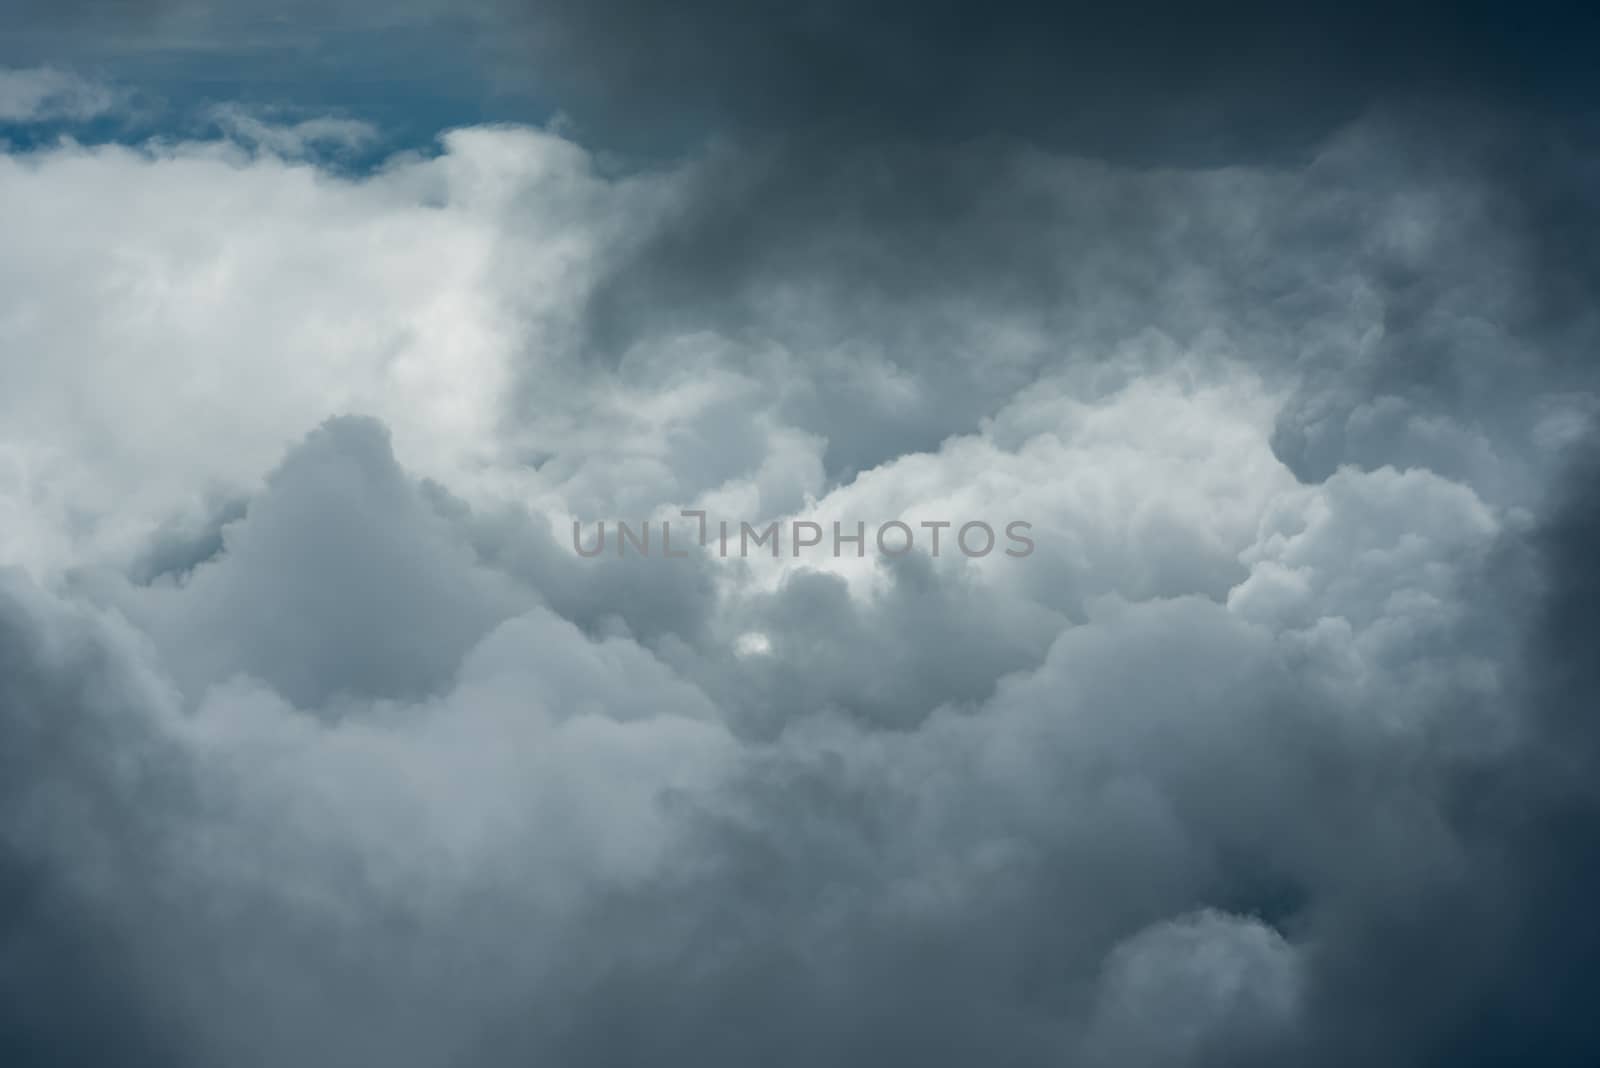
x,y
45,94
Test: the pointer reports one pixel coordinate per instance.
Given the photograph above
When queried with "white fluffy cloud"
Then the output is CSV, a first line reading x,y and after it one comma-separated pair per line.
x,y
175,314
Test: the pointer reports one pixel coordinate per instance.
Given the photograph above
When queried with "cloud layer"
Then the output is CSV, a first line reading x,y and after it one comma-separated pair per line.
x,y
320,745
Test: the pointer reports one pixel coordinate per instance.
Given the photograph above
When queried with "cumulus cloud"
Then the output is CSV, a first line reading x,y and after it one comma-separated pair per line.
x,y
320,745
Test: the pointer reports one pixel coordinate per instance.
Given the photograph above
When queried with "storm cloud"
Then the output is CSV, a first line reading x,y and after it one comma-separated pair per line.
x,y
320,746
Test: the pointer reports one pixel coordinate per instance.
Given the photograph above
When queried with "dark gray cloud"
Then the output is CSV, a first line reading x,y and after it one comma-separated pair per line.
x,y
877,189
1423,265
70,984
1278,752
1157,79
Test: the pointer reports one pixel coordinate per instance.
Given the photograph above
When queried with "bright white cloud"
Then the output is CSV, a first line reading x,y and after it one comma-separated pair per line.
x,y
174,315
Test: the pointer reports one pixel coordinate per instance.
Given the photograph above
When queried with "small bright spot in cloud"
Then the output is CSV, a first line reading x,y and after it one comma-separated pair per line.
x,y
753,643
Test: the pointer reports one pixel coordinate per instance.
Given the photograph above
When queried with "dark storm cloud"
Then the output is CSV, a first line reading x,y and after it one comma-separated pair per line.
x,y
1500,307
872,189
1151,83
877,190
70,988
1152,80
1481,960
1167,79
1458,232
355,774
1540,818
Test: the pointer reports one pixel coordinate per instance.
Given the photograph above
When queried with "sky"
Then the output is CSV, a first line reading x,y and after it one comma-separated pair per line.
x,y
332,336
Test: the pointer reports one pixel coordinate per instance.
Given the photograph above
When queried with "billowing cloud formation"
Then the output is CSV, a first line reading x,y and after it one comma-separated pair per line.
x,y
320,745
